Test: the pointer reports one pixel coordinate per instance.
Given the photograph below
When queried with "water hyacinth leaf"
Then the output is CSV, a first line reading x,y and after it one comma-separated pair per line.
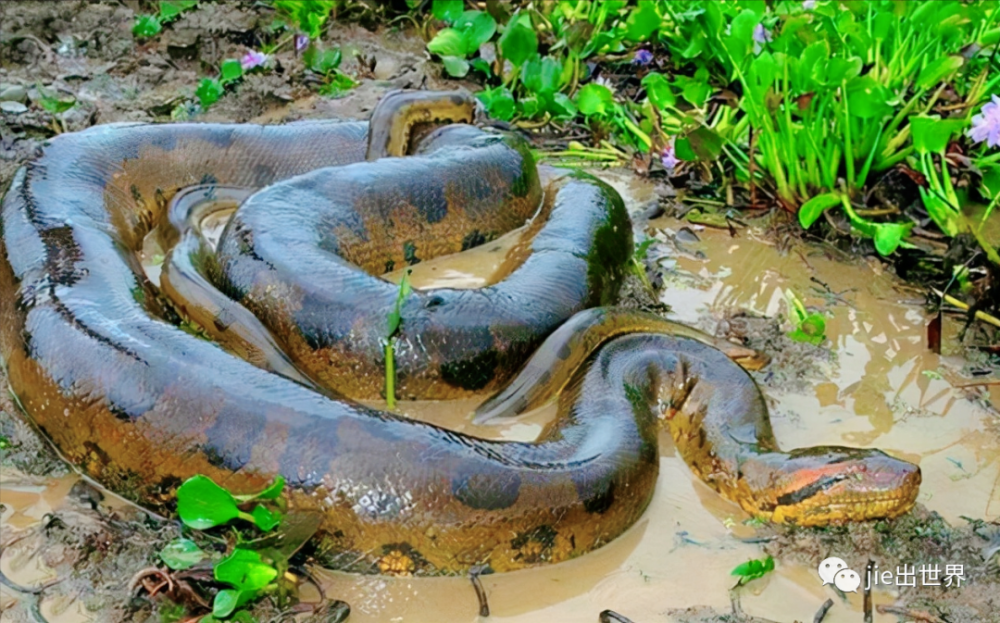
x,y
230,70
225,602
265,519
888,236
447,10
455,66
245,570
595,99
843,69
309,15
208,92
518,42
182,554
812,209
642,21
696,92
272,491
866,98
560,106
169,9
202,504
477,27
146,26
499,103
322,61
448,42
701,144
938,70
658,90
931,133
541,74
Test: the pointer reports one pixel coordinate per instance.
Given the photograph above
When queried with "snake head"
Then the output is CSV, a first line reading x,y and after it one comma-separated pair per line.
x,y
830,484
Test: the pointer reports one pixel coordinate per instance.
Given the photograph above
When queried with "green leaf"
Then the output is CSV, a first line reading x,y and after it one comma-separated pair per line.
x,y
541,74
322,61
265,519
170,9
658,90
308,15
931,133
560,106
447,10
225,602
273,490
477,27
889,235
842,69
146,26
337,85
203,504
642,21
182,554
54,101
396,315
208,92
230,70
753,569
455,66
448,42
937,70
595,99
245,570
701,144
518,42
812,209
499,103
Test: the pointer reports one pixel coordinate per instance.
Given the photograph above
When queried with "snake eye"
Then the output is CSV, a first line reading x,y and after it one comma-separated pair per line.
x,y
433,302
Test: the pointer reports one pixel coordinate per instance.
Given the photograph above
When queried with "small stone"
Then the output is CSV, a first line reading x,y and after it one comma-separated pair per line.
x,y
13,107
14,93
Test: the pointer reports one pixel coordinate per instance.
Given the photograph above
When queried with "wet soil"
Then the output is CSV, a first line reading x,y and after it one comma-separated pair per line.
x,y
72,552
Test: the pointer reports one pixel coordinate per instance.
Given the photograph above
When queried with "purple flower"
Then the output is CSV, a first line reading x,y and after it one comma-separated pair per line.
x,y
642,57
252,59
808,5
986,125
761,34
301,42
668,157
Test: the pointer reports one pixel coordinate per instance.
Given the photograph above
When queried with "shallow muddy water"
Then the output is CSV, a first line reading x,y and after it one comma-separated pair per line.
x,y
880,388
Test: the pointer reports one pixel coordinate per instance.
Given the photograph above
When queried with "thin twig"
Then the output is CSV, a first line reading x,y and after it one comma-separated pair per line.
x,y
484,606
821,613
916,615
868,592
610,616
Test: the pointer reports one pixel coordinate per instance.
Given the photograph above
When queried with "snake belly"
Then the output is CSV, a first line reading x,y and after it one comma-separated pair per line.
x,y
141,405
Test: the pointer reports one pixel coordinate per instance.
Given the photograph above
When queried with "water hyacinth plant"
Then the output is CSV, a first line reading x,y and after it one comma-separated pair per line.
x,y
820,95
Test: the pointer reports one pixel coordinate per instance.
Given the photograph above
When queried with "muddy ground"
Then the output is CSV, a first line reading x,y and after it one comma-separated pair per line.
x,y
92,546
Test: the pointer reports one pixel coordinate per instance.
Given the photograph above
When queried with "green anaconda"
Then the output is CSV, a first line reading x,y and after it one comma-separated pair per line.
x,y
102,368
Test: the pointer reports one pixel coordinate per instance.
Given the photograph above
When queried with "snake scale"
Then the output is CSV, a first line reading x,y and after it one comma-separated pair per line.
x,y
100,365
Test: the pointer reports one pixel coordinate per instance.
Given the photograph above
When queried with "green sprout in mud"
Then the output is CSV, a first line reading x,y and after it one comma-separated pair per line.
x,y
395,320
809,327
250,571
753,570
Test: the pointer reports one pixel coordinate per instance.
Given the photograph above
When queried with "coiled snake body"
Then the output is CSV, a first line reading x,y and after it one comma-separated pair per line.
x,y
100,366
